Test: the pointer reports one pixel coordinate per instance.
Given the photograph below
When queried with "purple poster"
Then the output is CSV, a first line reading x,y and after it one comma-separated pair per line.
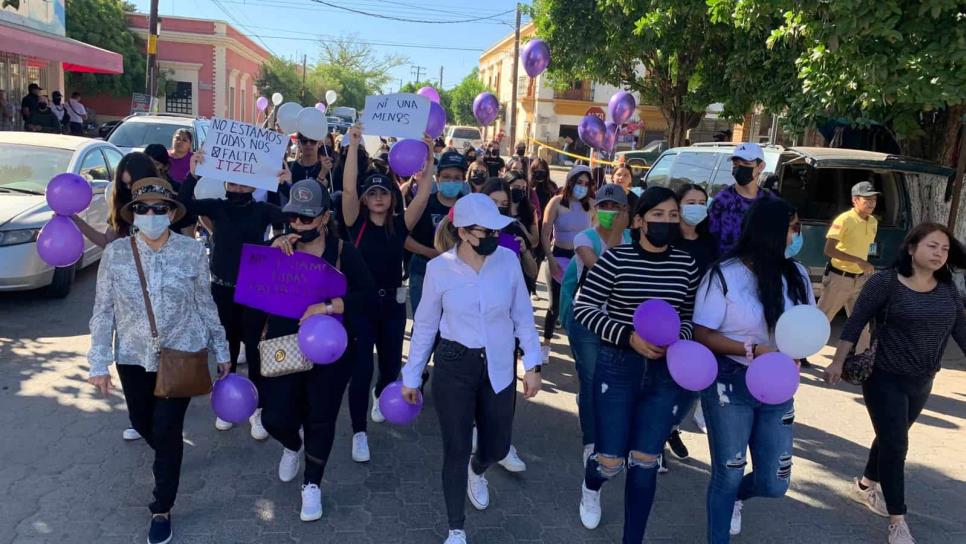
x,y
510,242
281,285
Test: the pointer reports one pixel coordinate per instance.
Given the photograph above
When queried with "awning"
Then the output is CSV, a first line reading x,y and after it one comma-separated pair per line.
x,y
76,56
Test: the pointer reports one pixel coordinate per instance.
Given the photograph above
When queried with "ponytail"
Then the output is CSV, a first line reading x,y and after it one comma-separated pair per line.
x,y
446,237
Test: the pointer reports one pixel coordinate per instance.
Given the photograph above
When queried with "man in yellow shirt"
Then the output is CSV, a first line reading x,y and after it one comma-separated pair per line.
x,y
847,245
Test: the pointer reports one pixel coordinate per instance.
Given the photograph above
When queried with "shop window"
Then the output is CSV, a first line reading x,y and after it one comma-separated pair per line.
x,y
179,100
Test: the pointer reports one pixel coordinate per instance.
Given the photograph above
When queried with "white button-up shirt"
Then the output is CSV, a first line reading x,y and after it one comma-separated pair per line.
x,y
478,310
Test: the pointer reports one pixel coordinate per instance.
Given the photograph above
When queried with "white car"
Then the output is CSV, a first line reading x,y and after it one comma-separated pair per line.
x,y
28,160
463,137
140,130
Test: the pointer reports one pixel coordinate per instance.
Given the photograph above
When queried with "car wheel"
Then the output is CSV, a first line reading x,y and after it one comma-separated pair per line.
x,y
62,282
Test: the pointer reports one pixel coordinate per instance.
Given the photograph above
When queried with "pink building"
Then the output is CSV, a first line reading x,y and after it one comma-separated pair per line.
x,y
212,65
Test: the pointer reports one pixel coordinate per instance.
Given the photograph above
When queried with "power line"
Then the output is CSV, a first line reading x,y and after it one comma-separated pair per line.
x,y
224,10
405,20
320,37
401,11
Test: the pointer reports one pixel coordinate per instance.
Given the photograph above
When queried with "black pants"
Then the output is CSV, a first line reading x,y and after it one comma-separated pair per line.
x,y
553,312
384,330
463,394
242,324
894,402
309,400
77,129
160,422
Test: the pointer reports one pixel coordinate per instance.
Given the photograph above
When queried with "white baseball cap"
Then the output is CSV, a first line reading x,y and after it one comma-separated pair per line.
x,y
748,152
478,209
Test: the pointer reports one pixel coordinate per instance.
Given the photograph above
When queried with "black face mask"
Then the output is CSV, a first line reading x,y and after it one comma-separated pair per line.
x,y
517,195
57,100
307,236
42,106
470,158
487,245
743,174
493,152
662,234
238,199
478,178
538,175
521,151
504,211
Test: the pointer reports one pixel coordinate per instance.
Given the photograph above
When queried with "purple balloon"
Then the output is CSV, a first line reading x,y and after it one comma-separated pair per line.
x,y
406,157
437,120
320,106
322,339
772,378
430,93
536,57
692,366
657,322
60,242
261,103
610,135
395,408
592,131
234,398
486,108
622,106
68,194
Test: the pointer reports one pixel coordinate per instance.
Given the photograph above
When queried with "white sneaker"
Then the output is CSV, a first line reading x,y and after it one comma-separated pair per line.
x,y
360,448
662,464
376,413
736,518
311,503
258,430
242,359
223,425
872,497
456,537
512,461
899,533
545,353
477,488
473,450
131,434
699,419
288,465
588,451
589,507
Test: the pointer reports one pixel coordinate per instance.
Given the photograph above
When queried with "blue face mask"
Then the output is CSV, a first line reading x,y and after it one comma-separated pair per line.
x,y
580,192
795,247
694,214
450,189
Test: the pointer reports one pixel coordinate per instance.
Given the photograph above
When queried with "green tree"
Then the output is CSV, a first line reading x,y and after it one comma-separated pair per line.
x,y
283,76
353,70
461,99
104,23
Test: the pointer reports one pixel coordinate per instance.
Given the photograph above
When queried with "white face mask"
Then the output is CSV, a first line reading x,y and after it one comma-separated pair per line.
x,y
152,226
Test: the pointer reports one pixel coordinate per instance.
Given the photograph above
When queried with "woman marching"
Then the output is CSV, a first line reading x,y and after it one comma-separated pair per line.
x,y
915,308
175,273
310,400
179,164
635,398
738,305
475,298
379,235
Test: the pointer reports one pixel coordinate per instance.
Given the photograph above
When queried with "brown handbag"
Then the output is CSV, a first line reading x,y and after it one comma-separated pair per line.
x,y
180,373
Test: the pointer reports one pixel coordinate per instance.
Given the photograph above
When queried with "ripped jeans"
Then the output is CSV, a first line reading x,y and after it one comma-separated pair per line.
x,y
736,422
636,403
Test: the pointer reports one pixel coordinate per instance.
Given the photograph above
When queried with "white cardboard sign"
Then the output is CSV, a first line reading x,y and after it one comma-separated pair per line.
x,y
402,115
244,154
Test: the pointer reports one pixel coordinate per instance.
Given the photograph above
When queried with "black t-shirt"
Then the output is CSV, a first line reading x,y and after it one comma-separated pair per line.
x,y
382,251
425,229
30,102
703,250
494,164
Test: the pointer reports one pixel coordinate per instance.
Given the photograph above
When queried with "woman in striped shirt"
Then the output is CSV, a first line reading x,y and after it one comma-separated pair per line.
x,y
634,394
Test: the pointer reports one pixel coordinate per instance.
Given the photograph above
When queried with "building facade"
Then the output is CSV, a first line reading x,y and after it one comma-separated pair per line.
x,y
209,66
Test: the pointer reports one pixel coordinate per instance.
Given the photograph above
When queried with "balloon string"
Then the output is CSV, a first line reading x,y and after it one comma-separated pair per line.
x,y
328,175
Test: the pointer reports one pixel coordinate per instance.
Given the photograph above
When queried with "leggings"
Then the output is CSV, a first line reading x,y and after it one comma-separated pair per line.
x,y
384,330
553,312
894,402
242,324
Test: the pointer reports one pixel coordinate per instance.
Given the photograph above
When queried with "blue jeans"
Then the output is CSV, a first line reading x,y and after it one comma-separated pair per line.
x,y
417,272
584,345
736,422
636,400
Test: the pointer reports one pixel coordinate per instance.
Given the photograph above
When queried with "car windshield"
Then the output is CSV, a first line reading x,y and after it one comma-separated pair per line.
x,y
28,168
143,134
466,133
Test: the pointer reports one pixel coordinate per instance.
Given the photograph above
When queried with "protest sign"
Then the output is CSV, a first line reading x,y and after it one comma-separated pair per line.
x,y
509,241
279,284
402,115
244,154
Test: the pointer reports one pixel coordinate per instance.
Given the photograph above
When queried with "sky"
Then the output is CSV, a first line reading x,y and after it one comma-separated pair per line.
x,y
291,28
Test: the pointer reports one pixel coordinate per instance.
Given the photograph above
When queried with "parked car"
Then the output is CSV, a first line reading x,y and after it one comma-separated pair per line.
x,y
463,137
817,181
135,132
28,161
639,160
105,129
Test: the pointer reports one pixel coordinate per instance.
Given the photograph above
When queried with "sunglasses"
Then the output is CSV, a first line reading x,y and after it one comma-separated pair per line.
x,y
301,219
139,208
307,141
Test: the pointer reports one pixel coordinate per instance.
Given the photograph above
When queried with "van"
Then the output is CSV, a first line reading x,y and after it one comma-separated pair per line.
x,y
463,137
818,182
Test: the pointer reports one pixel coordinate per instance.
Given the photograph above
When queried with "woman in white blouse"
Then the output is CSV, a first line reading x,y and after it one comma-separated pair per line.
x,y
475,298
176,273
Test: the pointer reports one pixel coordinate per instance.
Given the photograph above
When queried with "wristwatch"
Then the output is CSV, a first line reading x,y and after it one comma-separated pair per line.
x,y
328,309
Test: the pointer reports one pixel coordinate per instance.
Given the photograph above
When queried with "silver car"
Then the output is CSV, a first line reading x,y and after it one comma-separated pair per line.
x,y
27,163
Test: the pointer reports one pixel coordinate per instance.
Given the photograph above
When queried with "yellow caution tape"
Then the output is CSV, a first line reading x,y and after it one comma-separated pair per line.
x,y
574,155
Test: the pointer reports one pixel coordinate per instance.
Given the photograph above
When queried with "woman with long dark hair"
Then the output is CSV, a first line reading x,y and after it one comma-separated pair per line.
x,y
132,167
499,190
542,185
737,307
915,308
522,206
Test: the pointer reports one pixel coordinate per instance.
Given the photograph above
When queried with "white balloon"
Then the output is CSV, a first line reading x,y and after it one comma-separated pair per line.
x,y
277,98
108,189
802,331
288,117
312,124
209,188
330,97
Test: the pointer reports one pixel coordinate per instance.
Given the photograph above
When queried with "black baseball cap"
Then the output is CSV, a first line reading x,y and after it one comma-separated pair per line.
x,y
451,159
308,198
377,181
33,86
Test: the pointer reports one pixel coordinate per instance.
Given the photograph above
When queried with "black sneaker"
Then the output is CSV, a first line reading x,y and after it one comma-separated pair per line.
x,y
160,531
805,363
677,445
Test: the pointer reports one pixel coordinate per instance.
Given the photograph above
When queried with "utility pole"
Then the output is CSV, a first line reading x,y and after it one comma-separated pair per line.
x,y
417,72
151,74
302,94
513,88
958,181
440,78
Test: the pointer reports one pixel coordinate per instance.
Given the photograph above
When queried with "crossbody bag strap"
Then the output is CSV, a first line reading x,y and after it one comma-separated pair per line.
x,y
362,231
144,288
338,259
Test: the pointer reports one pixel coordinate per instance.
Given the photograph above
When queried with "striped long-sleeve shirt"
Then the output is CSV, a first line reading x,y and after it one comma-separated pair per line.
x,y
623,278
